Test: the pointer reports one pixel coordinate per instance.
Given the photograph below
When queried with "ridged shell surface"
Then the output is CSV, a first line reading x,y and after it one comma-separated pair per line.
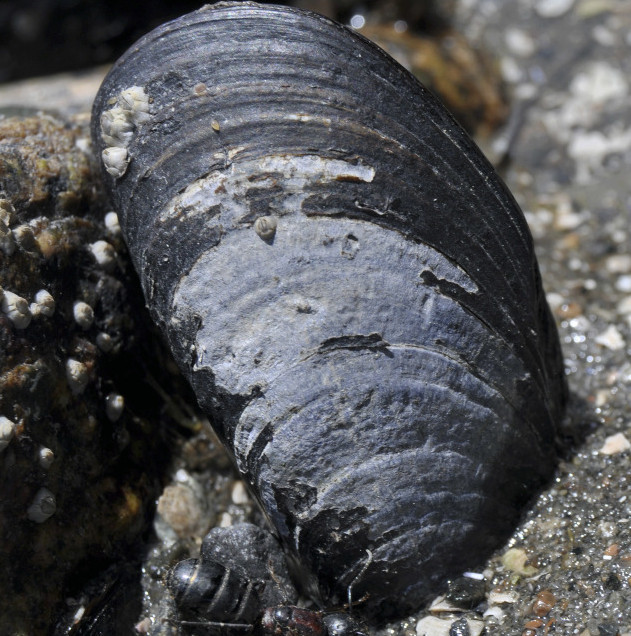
x,y
349,287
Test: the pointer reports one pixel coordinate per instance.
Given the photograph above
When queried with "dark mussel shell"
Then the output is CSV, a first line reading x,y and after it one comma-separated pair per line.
x,y
349,287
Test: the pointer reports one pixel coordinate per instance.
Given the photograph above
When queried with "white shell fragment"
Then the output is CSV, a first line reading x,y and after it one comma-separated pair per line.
x,y
46,457
43,506
265,227
615,444
7,431
104,254
611,338
17,310
77,375
83,314
433,626
114,405
44,304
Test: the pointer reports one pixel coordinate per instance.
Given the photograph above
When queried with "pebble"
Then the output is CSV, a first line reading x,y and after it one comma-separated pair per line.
x,y
553,8
615,444
181,509
611,338
623,283
466,592
544,602
519,42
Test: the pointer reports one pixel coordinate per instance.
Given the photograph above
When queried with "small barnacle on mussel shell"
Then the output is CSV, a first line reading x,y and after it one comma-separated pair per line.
x,y
385,371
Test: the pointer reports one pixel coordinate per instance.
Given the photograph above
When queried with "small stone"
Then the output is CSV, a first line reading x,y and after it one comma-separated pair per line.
x,y
43,506
612,582
7,431
460,628
612,551
519,42
544,602
615,444
83,314
466,592
553,8
180,509
618,263
611,338
623,283
607,629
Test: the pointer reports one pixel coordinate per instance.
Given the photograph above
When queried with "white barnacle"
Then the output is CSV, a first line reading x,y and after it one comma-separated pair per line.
x,y
77,375
46,457
111,223
24,237
17,310
115,160
136,102
104,342
43,506
7,242
114,405
83,314
7,431
117,128
44,304
265,227
104,254
7,212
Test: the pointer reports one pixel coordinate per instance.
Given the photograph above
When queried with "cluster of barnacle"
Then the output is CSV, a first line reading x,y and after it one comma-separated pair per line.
x,y
130,109
78,446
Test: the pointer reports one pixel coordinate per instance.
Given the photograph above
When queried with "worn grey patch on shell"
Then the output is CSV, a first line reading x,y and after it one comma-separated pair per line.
x,y
383,368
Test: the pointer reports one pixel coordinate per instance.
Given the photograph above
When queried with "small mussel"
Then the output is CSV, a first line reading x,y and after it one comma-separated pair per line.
x,y
349,287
